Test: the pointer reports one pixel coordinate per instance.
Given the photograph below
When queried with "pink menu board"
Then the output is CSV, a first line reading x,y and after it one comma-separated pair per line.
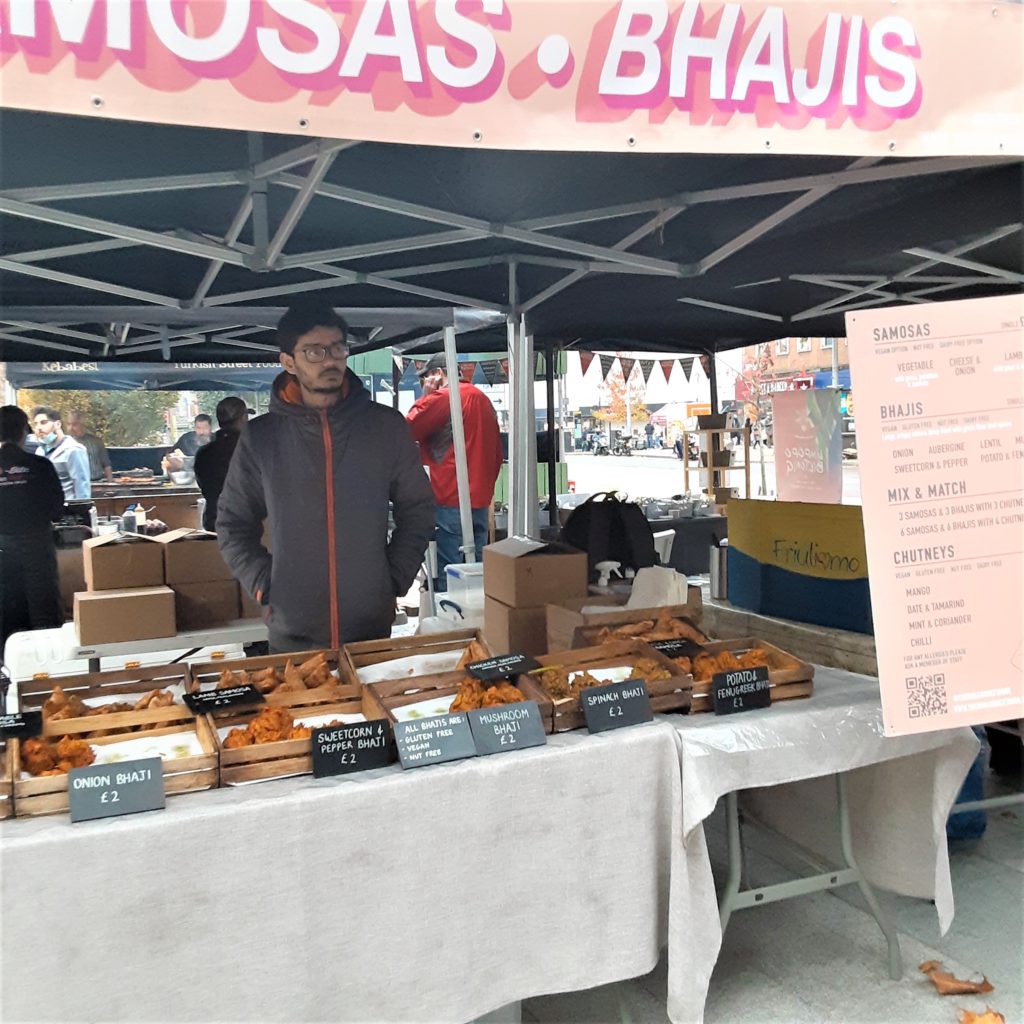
x,y
808,435
940,441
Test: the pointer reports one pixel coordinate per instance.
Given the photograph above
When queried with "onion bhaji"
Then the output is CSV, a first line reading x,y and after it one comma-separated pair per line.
x,y
43,757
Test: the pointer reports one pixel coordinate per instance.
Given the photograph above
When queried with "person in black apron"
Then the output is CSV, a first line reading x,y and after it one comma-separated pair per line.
x,y
31,498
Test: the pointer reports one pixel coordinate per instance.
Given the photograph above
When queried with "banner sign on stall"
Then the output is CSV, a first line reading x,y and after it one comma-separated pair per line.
x,y
434,740
109,790
808,433
940,441
616,705
857,77
352,747
509,727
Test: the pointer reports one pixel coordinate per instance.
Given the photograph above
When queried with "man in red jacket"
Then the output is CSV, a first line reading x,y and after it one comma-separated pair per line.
x,y
430,422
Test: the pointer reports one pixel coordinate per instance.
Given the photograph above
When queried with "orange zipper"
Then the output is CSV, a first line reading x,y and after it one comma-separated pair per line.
x,y
332,567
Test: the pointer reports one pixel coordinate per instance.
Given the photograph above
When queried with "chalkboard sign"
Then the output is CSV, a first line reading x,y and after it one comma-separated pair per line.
x,y
509,727
434,740
616,705
22,725
676,648
743,689
107,790
504,667
356,747
228,697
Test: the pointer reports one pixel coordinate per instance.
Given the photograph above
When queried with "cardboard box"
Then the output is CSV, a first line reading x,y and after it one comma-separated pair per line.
x,y
192,556
518,630
119,616
249,607
201,605
524,573
119,562
71,574
563,621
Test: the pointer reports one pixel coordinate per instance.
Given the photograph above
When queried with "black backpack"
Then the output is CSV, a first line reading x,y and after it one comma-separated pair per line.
x,y
611,531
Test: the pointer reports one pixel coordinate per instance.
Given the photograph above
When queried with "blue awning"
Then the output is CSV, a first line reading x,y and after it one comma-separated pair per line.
x,y
823,378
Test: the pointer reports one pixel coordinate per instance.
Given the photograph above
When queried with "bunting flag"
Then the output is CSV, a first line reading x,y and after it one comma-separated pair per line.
x,y
666,367
627,367
705,365
607,362
646,366
490,370
466,371
399,364
503,364
687,365
419,364
586,358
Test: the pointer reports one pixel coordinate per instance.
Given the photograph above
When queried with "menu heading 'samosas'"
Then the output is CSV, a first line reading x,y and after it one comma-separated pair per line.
x,y
940,441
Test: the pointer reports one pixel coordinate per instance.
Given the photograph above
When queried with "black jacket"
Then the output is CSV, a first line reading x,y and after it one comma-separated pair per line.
x,y
323,479
211,469
31,497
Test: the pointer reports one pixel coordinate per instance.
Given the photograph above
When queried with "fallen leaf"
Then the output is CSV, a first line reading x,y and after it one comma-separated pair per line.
x,y
948,985
988,1017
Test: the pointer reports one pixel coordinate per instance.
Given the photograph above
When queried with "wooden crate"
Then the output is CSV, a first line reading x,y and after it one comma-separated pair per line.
x,y
373,652
262,762
381,699
265,761
788,676
589,635
6,779
564,620
205,675
672,694
49,794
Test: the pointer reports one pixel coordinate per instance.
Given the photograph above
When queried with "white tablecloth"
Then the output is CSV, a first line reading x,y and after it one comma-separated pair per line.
x,y
900,791
445,892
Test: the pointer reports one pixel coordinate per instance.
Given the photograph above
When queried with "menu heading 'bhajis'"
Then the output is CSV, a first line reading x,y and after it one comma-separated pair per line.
x,y
647,63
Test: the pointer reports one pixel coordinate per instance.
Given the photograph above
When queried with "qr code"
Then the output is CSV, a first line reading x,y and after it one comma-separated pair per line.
x,y
926,695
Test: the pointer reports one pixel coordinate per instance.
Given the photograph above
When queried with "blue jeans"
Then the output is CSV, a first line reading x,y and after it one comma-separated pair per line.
x,y
449,539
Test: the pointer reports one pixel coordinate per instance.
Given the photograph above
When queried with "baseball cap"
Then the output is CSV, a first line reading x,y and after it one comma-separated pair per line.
x,y
435,362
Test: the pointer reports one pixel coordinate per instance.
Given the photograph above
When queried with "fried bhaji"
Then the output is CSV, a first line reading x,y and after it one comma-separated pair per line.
x,y
502,693
474,695
665,627
42,757
310,675
271,725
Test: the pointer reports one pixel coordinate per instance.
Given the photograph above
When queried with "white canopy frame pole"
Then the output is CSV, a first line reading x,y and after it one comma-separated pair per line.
x,y
459,443
523,517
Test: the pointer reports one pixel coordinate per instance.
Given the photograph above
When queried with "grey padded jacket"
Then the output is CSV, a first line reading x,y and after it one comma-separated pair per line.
x,y
322,480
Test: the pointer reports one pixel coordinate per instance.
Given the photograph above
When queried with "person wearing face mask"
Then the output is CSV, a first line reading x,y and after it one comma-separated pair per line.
x,y
67,456
321,468
31,498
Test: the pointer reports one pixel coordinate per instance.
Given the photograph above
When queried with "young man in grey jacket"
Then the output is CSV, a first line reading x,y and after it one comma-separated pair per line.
x,y
320,468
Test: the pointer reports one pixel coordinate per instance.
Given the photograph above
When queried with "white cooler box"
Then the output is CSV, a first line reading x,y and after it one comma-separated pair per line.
x,y
463,604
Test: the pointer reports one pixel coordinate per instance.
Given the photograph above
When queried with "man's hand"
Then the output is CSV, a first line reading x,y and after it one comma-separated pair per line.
x,y
432,383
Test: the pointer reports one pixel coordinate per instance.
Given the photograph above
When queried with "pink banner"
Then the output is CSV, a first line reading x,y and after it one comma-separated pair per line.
x,y
870,77
940,442
808,438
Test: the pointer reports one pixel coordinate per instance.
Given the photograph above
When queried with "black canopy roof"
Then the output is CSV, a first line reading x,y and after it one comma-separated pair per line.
x,y
109,232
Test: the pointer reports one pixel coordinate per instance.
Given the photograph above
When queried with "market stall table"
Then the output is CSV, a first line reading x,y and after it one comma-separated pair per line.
x,y
476,884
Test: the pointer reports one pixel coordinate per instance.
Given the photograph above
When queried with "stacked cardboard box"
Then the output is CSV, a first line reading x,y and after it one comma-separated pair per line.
x,y
125,598
205,593
521,577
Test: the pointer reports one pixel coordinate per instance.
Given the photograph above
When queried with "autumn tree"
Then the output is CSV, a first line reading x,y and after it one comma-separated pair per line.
x,y
623,402
118,418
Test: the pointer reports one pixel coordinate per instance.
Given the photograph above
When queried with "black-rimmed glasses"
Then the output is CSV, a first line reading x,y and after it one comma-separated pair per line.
x,y
317,353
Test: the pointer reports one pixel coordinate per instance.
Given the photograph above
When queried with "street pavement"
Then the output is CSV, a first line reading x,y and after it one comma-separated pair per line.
x,y
659,474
